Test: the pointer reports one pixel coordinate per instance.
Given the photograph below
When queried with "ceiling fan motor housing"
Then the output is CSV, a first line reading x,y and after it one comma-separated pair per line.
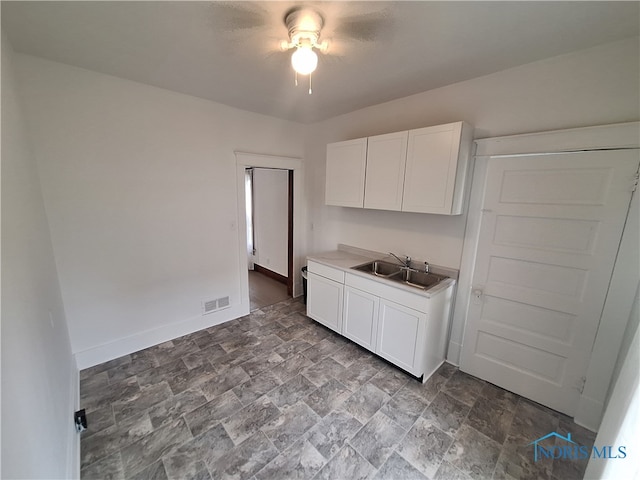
x,y
304,26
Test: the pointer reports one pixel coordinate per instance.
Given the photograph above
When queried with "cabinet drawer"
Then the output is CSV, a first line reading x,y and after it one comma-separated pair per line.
x,y
326,272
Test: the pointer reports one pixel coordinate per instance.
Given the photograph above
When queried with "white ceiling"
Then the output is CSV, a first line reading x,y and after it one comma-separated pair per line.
x,y
228,52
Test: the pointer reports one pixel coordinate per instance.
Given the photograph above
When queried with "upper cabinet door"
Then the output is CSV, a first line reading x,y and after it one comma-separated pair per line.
x,y
436,168
346,164
386,157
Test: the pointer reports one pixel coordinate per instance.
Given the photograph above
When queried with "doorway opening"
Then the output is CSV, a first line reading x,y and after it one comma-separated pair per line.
x,y
295,230
269,232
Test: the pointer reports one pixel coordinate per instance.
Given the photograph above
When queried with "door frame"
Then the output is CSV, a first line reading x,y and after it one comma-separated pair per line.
x,y
603,360
290,224
296,216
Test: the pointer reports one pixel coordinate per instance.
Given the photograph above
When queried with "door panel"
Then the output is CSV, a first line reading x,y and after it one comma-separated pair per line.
x,y
346,165
522,319
557,186
549,234
432,157
360,322
399,329
324,301
550,229
386,158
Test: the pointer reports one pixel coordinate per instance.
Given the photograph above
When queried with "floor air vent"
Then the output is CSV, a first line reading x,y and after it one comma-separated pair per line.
x,y
210,306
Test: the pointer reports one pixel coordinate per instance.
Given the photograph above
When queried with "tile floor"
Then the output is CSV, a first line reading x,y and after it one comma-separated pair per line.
x,y
264,291
274,395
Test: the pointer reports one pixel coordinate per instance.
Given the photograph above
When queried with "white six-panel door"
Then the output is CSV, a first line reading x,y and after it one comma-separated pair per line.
x,y
549,234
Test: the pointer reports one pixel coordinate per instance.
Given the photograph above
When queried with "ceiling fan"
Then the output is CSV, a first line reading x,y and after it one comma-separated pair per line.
x,y
304,25
332,28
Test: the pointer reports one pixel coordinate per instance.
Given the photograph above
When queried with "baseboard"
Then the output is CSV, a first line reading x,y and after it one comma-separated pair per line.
x,y
73,443
453,353
589,413
109,351
428,375
270,273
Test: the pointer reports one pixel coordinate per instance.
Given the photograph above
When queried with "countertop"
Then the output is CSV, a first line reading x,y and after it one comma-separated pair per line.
x,y
347,257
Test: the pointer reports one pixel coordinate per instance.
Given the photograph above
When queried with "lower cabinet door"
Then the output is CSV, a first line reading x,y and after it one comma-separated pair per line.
x,y
324,301
360,317
400,329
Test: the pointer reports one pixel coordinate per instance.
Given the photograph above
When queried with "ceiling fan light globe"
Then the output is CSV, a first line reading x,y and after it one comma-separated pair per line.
x,y
304,61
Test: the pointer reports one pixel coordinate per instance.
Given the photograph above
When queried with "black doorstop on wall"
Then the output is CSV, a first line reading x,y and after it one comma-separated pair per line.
x,y
80,419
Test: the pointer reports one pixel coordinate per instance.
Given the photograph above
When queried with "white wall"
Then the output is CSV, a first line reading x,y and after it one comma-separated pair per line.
x,y
627,345
39,377
271,201
141,198
140,194
590,87
618,323
140,189
621,421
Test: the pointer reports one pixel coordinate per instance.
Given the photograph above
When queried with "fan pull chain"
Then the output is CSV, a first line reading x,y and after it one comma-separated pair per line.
x,y
296,82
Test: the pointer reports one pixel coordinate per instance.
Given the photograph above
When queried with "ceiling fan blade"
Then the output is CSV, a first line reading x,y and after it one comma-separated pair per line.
x,y
367,27
238,16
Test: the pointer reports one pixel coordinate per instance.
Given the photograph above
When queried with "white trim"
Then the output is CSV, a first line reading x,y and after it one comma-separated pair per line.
x,y
243,161
454,350
468,260
617,311
267,161
73,443
607,342
589,412
621,422
139,341
619,135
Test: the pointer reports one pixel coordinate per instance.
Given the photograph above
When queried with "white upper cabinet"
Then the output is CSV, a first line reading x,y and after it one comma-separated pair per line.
x,y
421,170
346,163
386,157
436,168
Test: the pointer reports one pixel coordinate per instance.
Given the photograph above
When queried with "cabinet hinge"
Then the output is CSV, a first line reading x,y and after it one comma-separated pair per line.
x,y
634,184
580,384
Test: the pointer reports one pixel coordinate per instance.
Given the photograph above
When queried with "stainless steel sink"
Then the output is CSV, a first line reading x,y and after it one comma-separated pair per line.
x,y
421,279
380,268
398,273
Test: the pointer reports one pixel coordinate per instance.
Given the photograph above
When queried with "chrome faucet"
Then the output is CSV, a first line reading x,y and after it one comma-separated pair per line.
x,y
406,262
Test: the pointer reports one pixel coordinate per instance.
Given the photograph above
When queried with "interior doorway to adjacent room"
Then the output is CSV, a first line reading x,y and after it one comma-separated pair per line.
x,y
269,220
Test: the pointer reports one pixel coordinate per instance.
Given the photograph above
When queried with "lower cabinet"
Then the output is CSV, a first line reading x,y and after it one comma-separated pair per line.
x,y
407,329
360,322
399,331
324,301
